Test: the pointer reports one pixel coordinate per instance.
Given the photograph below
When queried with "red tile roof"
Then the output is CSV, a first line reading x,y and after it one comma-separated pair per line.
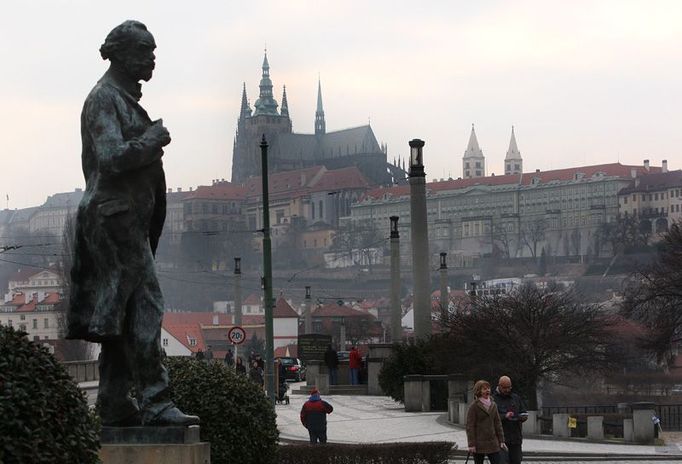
x,y
568,174
218,191
252,300
288,181
282,351
337,179
334,310
656,181
283,309
24,274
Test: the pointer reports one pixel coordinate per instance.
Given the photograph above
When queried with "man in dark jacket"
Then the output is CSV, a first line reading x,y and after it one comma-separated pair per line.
x,y
314,417
331,359
513,413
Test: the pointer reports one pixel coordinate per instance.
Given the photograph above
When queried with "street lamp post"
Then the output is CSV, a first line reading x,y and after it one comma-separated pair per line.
x,y
444,294
238,291
396,310
420,241
308,311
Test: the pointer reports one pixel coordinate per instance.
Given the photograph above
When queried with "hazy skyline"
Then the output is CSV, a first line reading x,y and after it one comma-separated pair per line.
x,y
582,82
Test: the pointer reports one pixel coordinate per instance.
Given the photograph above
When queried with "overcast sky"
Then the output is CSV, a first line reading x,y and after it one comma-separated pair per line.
x,y
583,82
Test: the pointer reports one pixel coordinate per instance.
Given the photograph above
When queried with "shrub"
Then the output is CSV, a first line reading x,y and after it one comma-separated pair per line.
x,y
236,417
408,358
385,453
44,417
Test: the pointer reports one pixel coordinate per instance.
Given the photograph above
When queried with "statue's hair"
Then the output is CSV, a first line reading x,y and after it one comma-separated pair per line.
x,y
120,38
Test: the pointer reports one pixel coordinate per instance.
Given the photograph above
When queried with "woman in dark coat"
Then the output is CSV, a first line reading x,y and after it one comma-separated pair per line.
x,y
240,367
484,427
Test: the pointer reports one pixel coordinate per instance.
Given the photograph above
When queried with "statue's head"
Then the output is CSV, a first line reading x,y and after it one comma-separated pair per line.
x,y
130,48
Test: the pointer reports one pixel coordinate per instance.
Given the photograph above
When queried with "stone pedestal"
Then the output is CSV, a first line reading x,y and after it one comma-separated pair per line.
x,y
146,445
560,425
412,392
322,383
595,427
378,353
628,432
463,408
453,411
312,369
426,395
643,426
530,427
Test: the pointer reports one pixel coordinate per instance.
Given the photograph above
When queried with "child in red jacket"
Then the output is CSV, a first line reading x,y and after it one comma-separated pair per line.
x,y
314,417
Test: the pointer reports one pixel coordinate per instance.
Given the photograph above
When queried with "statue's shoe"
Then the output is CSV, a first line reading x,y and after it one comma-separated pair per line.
x,y
173,416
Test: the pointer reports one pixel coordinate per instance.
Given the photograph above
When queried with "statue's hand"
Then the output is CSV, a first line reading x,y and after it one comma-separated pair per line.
x,y
157,134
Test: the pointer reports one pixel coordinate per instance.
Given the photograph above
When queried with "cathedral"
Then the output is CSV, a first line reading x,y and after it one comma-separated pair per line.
x,y
288,150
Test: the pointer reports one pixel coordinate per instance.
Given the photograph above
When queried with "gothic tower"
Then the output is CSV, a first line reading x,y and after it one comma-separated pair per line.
x,y
251,127
513,164
320,125
473,161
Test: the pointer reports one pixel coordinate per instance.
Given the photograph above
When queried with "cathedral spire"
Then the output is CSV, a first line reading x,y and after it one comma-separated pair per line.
x,y
265,104
473,161
285,105
246,109
513,163
320,125
473,149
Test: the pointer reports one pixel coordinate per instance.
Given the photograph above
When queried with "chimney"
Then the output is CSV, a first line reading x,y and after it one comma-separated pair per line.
x,y
646,164
633,173
537,170
190,189
302,179
216,319
170,190
179,189
664,166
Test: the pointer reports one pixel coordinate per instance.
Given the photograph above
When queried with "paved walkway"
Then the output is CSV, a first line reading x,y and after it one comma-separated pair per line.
x,y
372,419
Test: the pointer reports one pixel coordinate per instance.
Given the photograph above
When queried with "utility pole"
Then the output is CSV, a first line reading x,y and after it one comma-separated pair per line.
x,y
267,277
237,301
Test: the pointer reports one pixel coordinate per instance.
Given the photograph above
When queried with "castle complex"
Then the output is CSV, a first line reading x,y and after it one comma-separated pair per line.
x,y
289,151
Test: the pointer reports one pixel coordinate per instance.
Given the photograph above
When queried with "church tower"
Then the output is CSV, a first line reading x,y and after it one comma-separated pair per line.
x,y
513,164
473,161
320,125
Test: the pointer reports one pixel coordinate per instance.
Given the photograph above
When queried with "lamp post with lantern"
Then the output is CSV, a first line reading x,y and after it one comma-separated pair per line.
x,y
396,310
420,242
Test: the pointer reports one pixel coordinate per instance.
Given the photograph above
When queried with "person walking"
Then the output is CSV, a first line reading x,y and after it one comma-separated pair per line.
x,y
331,359
239,366
513,414
256,373
484,427
229,358
314,417
354,365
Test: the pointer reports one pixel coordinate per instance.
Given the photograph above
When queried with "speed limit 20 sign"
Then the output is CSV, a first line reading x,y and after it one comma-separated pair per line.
x,y
236,335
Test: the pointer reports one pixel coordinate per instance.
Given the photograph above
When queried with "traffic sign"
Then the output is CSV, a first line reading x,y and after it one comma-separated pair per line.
x,y
236,335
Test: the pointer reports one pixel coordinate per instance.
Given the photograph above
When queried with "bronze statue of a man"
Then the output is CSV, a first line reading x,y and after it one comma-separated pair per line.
x,y
115,296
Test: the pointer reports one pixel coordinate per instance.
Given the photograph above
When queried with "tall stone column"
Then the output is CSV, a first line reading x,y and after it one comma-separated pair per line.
x,y
308,311
444,294
396,310
420,242
237,291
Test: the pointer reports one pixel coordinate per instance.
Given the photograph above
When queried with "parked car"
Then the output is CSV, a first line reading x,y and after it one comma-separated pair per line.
x,y
293,368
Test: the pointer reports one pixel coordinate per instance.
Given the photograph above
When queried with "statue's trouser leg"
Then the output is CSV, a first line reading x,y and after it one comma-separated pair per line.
x,y
143,326
115,404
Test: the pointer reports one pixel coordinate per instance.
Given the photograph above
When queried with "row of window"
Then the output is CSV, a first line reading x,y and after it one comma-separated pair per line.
x,y
653,196
46,323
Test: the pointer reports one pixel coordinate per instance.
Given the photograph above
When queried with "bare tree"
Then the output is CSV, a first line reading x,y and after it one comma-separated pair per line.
x,y
503,239
654,297
532,234
359,237
531,334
